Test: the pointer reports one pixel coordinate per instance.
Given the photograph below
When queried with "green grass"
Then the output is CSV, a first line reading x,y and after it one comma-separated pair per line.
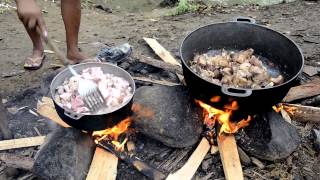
x,y
184,7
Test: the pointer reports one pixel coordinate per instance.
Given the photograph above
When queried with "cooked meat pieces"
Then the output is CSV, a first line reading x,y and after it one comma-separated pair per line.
x,y
115,90
235,69
243,56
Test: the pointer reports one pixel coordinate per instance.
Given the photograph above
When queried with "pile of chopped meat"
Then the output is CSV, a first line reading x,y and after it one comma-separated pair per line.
x,y
115,90
234,69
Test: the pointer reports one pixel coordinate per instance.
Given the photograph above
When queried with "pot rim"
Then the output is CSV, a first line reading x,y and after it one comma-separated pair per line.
x,y
252,24
102,113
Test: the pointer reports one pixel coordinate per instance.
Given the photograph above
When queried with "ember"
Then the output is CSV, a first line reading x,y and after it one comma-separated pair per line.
x,y
213,115
112,134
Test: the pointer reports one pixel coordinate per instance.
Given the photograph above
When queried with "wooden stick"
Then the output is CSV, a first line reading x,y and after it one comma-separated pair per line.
x,y
303,113
103,165
17,161
230,157
161,51
161,82
22,142
191,166
303,91
158,64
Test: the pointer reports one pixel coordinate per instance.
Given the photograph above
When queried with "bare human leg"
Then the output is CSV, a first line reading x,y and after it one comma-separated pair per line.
x,y
71,14
34,61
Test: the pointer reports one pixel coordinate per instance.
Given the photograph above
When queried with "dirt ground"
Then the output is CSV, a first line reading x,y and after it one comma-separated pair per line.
x,y
299,21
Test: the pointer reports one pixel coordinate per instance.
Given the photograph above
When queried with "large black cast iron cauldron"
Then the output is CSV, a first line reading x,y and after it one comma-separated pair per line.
x,y
242,34
96,121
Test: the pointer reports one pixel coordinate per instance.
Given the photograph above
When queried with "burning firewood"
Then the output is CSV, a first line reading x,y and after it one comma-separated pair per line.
x,y
303,113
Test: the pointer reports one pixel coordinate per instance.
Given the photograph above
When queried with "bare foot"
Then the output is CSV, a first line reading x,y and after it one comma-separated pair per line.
x,y
76,56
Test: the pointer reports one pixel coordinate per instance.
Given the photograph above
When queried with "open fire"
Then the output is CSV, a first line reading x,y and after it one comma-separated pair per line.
x,y
281,106
213,115
112,134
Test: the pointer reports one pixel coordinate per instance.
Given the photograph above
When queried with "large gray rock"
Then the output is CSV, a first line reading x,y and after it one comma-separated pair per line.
x,y
269,137
66,154
168,115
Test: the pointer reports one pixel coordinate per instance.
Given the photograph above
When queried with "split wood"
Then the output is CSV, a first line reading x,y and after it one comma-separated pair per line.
x,y
304,113
161,51
103,165
164,55
191,166
159,64
230,157
303,91
21,143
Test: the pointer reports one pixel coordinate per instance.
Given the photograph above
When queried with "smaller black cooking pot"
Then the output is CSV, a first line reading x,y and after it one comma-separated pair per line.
x,y
99,121
242,34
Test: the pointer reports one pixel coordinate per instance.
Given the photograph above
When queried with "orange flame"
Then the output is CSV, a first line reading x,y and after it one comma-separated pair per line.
x,y
113,133
280,107
211,115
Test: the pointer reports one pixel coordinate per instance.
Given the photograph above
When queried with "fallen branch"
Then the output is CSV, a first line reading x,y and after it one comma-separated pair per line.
x,y
230,157
303,113
303,91
104,160
161,82
191,166
158,64
21,143
17,161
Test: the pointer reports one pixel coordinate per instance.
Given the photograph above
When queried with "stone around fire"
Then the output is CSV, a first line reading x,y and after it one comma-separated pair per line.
x,y
66,154
167,114
269,137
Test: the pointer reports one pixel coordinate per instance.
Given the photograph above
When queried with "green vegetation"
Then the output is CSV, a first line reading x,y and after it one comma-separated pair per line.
x,y
184,7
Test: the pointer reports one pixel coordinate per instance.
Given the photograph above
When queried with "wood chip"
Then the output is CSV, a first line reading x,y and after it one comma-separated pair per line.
x,y
244,158
285,116
48,51
257,162
37,131
311,70
214,149
130,146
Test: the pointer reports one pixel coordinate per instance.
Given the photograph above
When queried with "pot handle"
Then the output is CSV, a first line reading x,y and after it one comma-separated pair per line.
x,y
244,19
73,115
236,92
